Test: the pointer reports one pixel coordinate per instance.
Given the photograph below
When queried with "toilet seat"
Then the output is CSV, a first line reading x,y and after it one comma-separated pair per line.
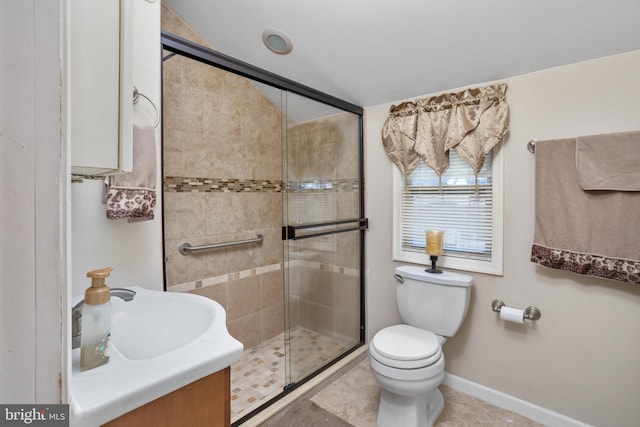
x,y
405,347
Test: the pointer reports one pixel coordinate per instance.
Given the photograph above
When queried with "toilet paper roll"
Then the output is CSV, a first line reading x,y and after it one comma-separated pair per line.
x,y
512,315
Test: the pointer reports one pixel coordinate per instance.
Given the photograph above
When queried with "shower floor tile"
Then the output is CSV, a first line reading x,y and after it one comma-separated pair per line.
x,y
260,373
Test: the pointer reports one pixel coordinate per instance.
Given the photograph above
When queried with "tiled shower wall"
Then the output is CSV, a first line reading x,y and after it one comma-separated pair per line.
x,y
223,182
223,157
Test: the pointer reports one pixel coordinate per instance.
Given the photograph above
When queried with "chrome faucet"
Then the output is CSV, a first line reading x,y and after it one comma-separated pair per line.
x,y
76,313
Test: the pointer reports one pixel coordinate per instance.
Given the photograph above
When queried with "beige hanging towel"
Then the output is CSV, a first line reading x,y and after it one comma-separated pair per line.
x,y
593,233
399,136
609,162
132,195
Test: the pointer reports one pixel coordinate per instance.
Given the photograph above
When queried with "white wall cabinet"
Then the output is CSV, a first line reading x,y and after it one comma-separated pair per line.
x,y
101,86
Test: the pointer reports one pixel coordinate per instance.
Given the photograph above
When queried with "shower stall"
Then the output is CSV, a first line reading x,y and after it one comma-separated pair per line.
x,y
264,213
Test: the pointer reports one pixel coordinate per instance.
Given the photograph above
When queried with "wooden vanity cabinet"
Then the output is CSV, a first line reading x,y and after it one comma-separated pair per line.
x,y
203,403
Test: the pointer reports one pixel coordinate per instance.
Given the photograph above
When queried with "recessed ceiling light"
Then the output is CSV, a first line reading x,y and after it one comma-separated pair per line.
x,y
277,41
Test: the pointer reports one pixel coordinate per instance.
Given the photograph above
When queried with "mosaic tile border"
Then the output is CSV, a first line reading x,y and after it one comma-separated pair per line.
x,y
320,185
224,278
182,184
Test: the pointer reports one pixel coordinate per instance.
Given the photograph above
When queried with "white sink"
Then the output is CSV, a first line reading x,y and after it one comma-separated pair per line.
x,y
160,341
158,322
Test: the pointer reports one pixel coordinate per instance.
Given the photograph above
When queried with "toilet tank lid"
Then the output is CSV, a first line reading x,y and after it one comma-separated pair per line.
x,y
446,278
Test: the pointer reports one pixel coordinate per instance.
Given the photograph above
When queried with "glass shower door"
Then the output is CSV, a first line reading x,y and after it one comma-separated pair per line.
x,y
323,234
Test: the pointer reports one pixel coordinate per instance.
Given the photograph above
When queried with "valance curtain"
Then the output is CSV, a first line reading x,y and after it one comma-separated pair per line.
x,y
471,122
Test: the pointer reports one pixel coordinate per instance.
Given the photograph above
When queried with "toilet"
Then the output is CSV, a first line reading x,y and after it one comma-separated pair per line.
x,y
407,359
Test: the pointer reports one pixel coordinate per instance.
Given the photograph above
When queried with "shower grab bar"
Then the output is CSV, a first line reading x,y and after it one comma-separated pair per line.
x,y
289,232
187,249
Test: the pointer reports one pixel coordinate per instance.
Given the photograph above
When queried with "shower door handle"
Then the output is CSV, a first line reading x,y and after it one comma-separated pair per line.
x,y
292,232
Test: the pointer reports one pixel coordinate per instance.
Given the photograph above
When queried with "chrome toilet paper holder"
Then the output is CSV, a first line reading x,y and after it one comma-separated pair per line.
x,y
530,313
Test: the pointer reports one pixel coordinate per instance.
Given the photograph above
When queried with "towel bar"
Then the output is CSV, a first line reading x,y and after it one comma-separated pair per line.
x,y
531,146
187,249
136,97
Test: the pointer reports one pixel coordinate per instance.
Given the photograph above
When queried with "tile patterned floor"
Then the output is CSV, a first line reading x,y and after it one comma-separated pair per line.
x,y
260,374
350,399
354,398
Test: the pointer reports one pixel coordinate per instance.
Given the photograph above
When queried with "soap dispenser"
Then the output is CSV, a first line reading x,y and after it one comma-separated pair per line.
x,y
96,321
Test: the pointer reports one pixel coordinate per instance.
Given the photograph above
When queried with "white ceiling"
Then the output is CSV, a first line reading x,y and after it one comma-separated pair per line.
x,y
371,52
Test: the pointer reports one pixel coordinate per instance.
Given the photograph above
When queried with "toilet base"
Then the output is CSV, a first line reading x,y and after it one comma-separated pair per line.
x,y
409,411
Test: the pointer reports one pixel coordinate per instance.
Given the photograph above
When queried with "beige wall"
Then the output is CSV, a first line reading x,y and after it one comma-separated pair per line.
x,y
581,358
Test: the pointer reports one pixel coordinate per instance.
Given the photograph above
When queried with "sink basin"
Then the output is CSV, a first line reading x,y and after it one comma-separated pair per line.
x,y
160,342
153,323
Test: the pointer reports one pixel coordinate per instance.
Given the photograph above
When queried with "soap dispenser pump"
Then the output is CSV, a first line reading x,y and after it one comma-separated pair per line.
x,y
96,321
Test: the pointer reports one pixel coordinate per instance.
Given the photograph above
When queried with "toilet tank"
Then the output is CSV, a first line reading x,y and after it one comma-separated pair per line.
x,y
435,302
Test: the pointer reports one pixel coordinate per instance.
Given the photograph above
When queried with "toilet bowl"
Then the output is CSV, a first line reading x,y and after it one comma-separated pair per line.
x,y
407,359
409,365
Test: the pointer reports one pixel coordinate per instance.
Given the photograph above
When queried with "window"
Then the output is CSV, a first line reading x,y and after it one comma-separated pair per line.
x,y
469,212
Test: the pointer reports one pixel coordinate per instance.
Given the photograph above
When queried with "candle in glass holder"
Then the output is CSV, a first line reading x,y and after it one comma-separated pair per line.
x,y
434,242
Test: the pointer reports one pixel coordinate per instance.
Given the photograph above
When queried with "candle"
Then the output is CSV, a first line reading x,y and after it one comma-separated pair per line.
x,y
434,242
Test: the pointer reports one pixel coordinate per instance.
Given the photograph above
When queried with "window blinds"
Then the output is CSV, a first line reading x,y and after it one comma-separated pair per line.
x,y
459,207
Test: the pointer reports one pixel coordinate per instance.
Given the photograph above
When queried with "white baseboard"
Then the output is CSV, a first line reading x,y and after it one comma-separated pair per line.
x,y
510,403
